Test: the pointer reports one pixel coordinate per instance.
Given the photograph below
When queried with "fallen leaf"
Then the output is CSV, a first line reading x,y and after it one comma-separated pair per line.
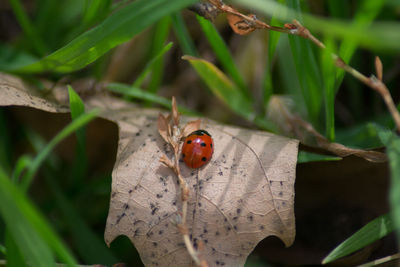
x,y
244,194
239,25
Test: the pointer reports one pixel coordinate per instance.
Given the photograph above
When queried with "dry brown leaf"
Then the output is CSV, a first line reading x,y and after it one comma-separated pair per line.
x,y
239,25
14,91
279,111
244,194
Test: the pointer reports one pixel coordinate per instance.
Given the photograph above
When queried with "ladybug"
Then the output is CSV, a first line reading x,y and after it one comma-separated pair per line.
x,y
197,149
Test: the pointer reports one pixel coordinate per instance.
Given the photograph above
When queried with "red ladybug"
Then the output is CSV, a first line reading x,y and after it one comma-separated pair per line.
x,y
197,149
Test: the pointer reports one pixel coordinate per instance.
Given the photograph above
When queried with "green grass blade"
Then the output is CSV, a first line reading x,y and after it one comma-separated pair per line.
x,y
223,54
116,29
329,73
392,142
152,65
368,234
227,92
94,11
14,255
22,164
69,129
79,167
304,157
272,44
13,207
77,109
134,92
90,247
380,35
308,72
28,227
222,87
183,35
161,34
28,27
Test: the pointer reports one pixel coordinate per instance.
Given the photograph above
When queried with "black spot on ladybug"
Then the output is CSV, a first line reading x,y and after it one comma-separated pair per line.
x,y
189,142
211,145
203,144
204,159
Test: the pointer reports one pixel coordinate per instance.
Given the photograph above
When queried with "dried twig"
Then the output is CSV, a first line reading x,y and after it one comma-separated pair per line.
x,y
170,131
244,24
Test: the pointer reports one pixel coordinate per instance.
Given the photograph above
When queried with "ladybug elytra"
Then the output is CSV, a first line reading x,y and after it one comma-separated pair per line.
x,y
197,149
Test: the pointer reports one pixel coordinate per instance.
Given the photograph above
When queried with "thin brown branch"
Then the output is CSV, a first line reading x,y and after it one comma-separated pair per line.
x,y
169,129
372,82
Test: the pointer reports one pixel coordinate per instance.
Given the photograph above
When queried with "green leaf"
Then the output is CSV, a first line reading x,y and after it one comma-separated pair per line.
x,y
222,87
90,247
380,35
392,142
116,29
371,232
158,50
134,92
222,52
17,212
77,108
70,128
28,27
183,35
14,256
151,66
227,92
304,157
308,72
